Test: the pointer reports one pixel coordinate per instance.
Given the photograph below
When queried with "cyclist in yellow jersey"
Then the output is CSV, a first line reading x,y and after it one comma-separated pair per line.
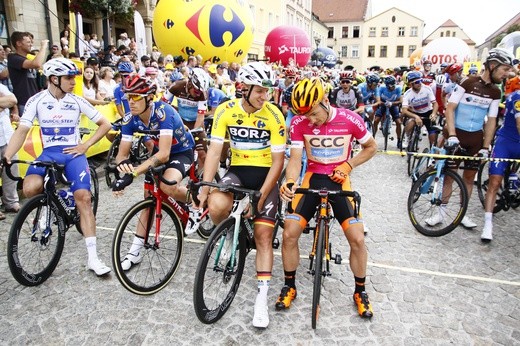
x,y
256,132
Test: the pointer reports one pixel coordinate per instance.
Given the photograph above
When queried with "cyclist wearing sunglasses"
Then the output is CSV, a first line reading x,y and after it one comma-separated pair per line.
x,y
256,130
347,96
58,112
325,133
173,148
474,100
419,106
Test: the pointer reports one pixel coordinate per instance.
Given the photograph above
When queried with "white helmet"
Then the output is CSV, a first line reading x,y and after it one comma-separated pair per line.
x,y
440,79
199,78
60,67
256,73
502,56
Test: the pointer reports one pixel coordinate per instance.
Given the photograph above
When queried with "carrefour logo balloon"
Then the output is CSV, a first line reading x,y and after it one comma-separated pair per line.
x,y
218,30
288,44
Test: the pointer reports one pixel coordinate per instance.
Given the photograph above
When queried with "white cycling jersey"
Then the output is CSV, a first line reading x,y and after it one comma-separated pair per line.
x,y
58,119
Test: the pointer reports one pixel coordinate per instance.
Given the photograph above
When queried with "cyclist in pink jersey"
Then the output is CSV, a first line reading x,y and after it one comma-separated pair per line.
x,y
326,134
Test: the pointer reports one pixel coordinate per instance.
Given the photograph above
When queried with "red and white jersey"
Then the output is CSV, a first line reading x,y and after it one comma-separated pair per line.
x,y
330,144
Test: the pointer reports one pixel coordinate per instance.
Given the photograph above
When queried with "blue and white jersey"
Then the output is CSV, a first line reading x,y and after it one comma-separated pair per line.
x,y
390,95
165,119
215,97
121,99
419,102
509,128
369,96
59,119
475,100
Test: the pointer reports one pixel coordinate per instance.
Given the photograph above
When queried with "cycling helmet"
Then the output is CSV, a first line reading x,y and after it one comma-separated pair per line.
x,y
440,79
199,79
413,76
360,79
176,75
60,67
290,72
125,67
390,80
426,62
502,56
473,70
306,94
444,65
454,68
136,84
256,73
346,75
372,78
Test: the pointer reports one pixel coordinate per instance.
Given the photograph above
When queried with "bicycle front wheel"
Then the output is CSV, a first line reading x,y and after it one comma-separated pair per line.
x,y
159,256
433,210
218,274
35,243
318,273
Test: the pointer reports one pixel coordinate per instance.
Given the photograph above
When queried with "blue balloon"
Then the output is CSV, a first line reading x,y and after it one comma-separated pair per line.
x,y
325,56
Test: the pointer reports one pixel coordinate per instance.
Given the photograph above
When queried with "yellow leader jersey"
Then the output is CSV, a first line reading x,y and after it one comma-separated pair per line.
x,y
253,137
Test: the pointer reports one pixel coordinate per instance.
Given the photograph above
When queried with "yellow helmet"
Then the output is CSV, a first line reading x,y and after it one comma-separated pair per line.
x,y
306,94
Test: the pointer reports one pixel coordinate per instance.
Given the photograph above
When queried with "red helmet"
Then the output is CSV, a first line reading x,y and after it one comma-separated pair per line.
x,y
136,84
454,68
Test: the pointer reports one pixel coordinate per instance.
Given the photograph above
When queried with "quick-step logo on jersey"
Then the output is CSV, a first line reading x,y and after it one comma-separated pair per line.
x,y
327,148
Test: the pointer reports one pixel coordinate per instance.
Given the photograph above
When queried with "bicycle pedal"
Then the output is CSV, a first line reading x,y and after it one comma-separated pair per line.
x,y
276,243
338,259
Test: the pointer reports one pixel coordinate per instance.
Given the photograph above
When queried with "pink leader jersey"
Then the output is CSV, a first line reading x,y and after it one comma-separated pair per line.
x,y
328,145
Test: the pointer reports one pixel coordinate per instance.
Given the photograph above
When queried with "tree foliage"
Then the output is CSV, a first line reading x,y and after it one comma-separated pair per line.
x,y
123,10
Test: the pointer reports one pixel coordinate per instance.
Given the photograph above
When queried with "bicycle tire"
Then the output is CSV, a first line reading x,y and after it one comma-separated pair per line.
x,y
387,124
216,284
421,208
515,200
111,159
318,274
94,194
413,147
159,261
33,254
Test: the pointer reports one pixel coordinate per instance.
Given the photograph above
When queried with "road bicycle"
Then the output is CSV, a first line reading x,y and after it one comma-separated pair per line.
x,y
412,147
321,251
37,235
508,195
222,261
162,219
387,126
421,163
433,208
138,152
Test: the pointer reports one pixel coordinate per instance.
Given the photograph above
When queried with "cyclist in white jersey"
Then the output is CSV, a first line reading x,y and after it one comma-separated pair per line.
x,y
58,112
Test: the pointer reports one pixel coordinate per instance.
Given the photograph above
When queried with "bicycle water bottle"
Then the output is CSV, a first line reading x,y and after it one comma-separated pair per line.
x,y
68,196
513,182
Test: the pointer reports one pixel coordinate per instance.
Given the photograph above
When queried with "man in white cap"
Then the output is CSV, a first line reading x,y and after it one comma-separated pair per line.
x,y
123,40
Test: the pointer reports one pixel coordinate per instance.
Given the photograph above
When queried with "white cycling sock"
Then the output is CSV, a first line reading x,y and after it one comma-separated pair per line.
x,y
91,247
137,244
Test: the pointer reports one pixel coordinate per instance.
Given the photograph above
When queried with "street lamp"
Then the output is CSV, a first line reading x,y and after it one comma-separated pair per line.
x,y
317,40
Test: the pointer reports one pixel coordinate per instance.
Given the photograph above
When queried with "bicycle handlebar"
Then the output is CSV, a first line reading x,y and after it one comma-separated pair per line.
x,y
47,164
326,193
254,195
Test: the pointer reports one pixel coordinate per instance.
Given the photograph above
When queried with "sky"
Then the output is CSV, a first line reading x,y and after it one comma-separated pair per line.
x,y
478,18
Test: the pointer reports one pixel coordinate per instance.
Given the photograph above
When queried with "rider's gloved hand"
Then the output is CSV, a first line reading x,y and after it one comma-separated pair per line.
x,y
340,173
388,104
484,153
285,188
124,162
120,184
452,141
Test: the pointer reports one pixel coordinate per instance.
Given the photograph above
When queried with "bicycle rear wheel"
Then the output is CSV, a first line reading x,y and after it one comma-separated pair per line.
x,y
217,279
425,199
318,273
159,260
387,124
35,243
